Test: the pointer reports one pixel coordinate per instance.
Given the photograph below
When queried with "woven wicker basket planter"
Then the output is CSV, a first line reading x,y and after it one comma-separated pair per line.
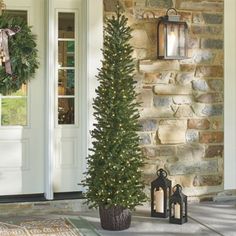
x,y
115,218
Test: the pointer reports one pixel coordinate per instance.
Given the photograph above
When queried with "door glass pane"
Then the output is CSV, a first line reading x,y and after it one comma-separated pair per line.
x,y
14,111
17,13
66,110
66,80
14,106
66,57
66,25
21,92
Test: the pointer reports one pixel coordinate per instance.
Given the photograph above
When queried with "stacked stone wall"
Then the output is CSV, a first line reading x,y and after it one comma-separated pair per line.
x,y
182,100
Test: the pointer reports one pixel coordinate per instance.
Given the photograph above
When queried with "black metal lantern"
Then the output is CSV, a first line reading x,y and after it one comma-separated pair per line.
x,y
172,42
160,194
178,206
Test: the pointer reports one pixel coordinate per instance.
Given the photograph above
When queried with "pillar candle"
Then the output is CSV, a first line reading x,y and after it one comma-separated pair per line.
x,y
177,211
159,200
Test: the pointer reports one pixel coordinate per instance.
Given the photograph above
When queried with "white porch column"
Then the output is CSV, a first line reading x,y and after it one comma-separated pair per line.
x,y
230,95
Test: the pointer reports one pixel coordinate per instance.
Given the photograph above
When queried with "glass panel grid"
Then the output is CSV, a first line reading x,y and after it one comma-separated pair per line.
x,y
66,72
14,107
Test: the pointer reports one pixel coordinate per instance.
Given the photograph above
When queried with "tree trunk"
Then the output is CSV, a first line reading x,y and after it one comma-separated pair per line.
x,y
115,218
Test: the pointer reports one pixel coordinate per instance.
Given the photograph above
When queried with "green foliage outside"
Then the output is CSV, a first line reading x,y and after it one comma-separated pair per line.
x,y
14,111
114,165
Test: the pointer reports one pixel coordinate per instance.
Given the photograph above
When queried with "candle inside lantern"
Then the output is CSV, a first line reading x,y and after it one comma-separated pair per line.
x,y
177,211
159,200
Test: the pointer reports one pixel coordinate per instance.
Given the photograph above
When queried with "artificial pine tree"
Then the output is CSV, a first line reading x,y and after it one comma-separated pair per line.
x,y
114,175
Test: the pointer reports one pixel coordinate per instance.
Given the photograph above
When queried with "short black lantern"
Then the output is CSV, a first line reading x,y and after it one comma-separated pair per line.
x,y
178,206
160,194
172,42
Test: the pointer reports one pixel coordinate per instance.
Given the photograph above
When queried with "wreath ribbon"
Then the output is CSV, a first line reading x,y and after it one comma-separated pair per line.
x,y
4,34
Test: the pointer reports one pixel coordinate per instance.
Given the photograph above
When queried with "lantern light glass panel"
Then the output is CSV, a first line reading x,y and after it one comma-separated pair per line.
x,y
172,39
178,207
160,194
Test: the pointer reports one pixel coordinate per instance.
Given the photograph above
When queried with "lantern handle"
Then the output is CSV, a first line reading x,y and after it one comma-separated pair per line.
x,y
171,9
177,187
162,172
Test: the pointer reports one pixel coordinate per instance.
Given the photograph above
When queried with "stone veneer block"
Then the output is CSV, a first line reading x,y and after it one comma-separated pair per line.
x,y
209,71
207,30
214,151
145,139
109,5
200,5
217,123
146,98
203,56
149,66
150,166
204,110
148,125
160,3
171,89
162,101
192,136
210,98
200,85
160,112
210,18
188,168
211,137
184,111
150,152
216,84
182,99
207,180
212,43
184,78
140,39
199,124
190,152
129,3
172,131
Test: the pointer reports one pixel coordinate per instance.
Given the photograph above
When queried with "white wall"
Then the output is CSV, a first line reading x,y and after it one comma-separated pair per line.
x,y
230,95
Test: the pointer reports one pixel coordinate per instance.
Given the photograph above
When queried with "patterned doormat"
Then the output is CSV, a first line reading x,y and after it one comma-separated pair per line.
x,y
47,227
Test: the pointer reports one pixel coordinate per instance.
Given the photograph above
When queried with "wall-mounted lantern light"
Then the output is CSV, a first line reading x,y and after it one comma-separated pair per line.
x,y
172,36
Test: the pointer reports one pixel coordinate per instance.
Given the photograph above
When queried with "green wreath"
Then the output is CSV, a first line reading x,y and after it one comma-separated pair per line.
x,y
22,54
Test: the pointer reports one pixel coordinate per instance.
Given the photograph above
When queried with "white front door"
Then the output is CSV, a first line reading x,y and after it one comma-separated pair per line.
x,y
44,126
22,118
67,171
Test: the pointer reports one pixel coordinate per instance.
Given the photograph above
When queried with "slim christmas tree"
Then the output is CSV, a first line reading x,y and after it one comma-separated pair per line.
x,y
114,175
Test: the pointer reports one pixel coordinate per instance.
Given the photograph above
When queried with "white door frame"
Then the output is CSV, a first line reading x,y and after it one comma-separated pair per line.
x,y
230,95
92,44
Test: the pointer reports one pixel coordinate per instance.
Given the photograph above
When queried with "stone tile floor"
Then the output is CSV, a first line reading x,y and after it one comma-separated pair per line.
x,y
204,219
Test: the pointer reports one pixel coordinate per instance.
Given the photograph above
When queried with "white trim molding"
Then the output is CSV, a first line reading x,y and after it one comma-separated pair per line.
x,y
92,41
230,95
50,104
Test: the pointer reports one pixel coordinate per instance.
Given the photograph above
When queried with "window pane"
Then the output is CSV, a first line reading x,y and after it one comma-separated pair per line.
x,y
14,111
66,25
66,80
66,111
21,92
17,13
66,57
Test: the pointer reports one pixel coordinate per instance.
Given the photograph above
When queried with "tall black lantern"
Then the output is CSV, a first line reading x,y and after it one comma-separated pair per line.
x,y
172,42
160,194
178,206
